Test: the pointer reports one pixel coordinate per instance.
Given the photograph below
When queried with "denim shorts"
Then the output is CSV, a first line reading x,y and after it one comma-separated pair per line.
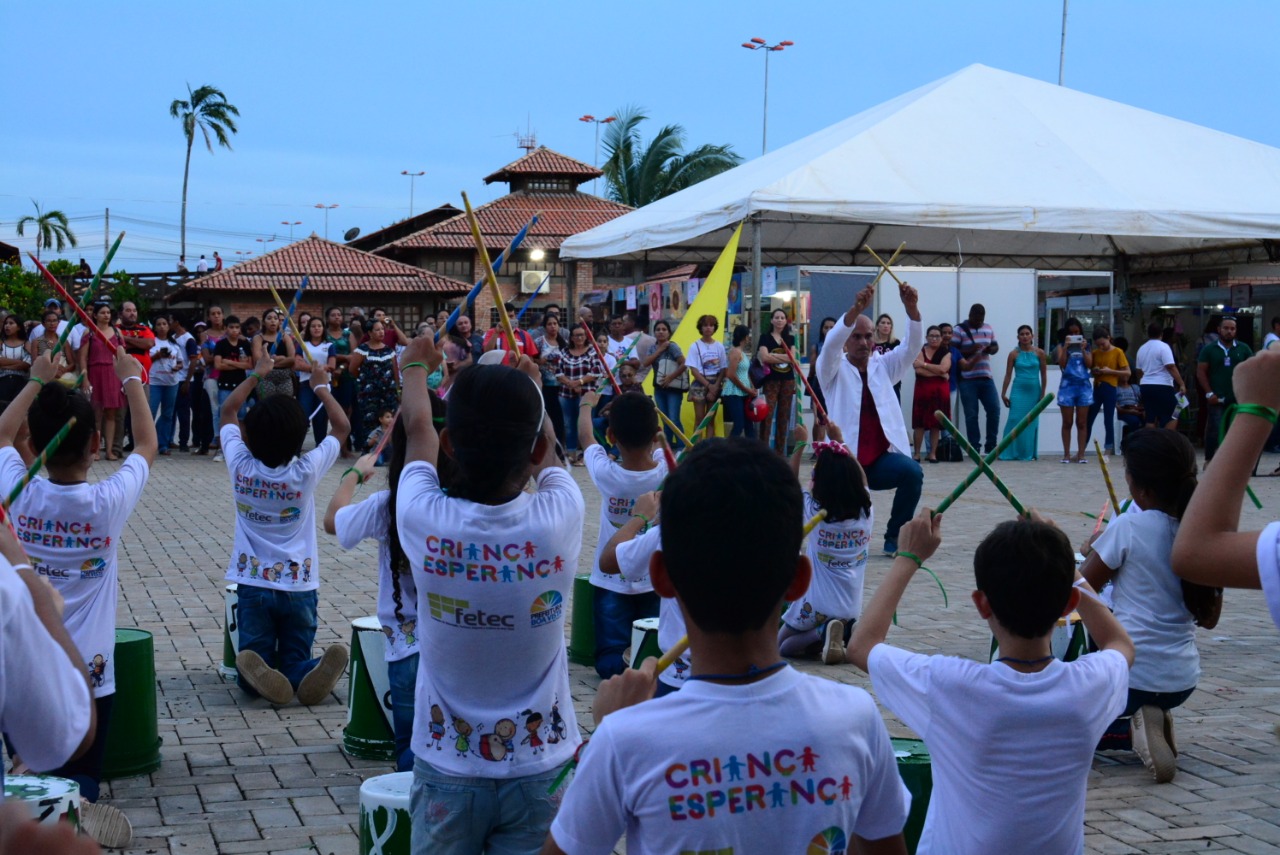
x,y
1071,395
499,816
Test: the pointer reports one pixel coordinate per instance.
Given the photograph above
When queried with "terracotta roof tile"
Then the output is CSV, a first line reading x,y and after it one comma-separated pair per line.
x,y
332,267
683,271
563,214
544,161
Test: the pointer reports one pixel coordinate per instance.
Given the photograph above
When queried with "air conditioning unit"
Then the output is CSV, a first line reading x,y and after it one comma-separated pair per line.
x,y
535,281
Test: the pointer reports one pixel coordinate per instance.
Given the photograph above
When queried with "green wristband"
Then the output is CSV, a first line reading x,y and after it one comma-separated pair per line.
x,y
255,375
916,558
36,380
645,527
1258,410
359,477
421,365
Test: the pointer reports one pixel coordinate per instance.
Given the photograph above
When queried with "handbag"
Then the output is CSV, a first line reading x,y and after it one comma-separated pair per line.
x,y
949,450
757,371
663,368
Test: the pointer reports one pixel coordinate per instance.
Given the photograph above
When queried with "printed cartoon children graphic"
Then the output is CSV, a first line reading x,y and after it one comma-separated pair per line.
x,y
98,671
277,570
306,570
437,726
532,724
463,730
499,745
254,564
558,729
408,628
294,567
241,563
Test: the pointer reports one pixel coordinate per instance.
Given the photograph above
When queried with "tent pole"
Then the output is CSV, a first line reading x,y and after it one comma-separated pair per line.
x,y
756,273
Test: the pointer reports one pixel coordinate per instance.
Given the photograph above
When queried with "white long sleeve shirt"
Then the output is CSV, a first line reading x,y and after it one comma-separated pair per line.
x,y
842,384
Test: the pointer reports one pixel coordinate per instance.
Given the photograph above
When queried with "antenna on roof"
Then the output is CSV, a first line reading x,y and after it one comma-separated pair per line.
x,y
351,234
528,140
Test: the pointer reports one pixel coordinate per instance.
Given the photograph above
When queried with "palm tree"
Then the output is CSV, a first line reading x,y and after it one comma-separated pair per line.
x,y
52,231
637,174
207,109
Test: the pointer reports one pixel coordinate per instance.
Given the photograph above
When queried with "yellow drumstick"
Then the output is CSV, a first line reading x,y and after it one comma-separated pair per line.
x,y
1106,476
674,428
885,268
813,523
881,262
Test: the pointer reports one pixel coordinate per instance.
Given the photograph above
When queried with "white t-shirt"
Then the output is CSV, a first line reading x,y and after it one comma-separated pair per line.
x,y
710,359
1148,601
370,519
71,532
633,560
773,766
493,586
618,491
1151,361
1268,339
38,330
44,702
1011,751
170,370
1269,568
75,337
275,539
320,354
838,552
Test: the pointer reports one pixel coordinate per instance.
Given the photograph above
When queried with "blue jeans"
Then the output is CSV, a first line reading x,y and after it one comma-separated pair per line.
x,y
1104,400
320,424
164,399
894,471
403,674
463,816
669,401
569,413
735,411
1212,427
223,394
279,626
184,417
614,614
980,390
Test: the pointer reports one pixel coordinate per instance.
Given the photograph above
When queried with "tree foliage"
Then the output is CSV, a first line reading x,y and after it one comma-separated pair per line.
x,y
205,110
51,227
637,174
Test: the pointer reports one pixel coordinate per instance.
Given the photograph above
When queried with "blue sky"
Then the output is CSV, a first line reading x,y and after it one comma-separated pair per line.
x,y
337,98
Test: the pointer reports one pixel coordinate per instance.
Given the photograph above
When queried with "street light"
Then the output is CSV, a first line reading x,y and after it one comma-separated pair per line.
x,y
761,44
596,159
326,209
291,225
413,176
264,242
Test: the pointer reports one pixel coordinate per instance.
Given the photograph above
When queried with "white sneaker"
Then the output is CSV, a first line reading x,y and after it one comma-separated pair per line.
x,y
1147,730
833,643
218,458
105,824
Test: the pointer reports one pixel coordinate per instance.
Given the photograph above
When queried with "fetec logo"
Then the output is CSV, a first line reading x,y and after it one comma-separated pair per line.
x,y
290,514
546,609
455,612
93,568
829,841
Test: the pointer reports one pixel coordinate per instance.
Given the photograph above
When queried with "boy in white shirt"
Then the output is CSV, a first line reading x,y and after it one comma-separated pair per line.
x,y
751,755
986,725
272,489
620,601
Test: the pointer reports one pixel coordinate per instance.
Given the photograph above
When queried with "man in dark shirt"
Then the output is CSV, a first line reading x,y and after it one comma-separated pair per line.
x,y
232,357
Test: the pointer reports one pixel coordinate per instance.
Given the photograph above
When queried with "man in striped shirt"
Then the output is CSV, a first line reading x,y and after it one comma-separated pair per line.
x,y
977,343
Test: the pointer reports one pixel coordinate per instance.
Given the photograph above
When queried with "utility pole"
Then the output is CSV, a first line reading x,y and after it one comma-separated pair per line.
x,y
106,234
1062,50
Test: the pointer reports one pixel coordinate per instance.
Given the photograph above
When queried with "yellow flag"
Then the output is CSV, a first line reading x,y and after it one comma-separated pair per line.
x,y
712,299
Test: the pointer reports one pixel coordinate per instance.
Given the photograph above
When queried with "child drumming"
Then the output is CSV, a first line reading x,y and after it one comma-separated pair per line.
x,y
985,725
820,622
1135,552
766,759
494,566
272,488
82,566
620,601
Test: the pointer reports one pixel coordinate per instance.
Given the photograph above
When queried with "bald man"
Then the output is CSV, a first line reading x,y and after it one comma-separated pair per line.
x,y
858,385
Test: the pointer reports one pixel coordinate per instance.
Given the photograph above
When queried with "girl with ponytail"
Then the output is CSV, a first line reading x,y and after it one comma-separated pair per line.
x,y
1135,553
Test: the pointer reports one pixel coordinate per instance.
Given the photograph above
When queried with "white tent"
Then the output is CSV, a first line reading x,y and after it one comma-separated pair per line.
x,y
1002,168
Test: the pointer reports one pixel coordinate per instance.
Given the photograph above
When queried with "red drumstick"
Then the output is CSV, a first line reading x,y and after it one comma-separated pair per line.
x,y
617,390
817,405
62,293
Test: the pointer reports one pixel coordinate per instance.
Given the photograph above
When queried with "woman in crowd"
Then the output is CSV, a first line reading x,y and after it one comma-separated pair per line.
x,y
550,342
15,359
882,341
707,362
1027,369
320,349
577,370
737,387
168,369
344,387
819,429
670,377
272,341
98,373
1075,392
1109,366
377,378
932,393
465,333
47,340
780,385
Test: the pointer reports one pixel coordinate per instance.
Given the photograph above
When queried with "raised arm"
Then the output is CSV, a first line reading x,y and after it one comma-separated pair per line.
x,y
231,407
415,403
586,430
347,490
339,424
129,370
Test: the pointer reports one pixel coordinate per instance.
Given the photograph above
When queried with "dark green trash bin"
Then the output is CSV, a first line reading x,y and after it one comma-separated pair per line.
x,y
915,766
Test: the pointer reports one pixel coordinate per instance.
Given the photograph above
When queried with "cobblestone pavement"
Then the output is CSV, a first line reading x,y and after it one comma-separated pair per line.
x,y
241,776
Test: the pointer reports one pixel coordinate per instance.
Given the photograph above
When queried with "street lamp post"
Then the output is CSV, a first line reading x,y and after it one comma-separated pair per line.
x,y
291,224
326,209
761,44
596,158
413,176
265,241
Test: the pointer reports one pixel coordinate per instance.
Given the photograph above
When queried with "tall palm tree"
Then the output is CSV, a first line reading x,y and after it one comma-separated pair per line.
x,y
205,109
52,231
637,174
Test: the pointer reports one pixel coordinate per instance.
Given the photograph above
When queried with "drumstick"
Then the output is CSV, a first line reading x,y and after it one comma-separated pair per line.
x,y
707,419
817,405
669,658
67,298
289,328
88,293
1106,475
982,464
617,390
881,262
674,428
386,436
39,463
892,259
813,522
1102,517
497,265
1004,443
490,276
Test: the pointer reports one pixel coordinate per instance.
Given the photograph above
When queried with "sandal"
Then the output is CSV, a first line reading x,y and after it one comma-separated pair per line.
x,y
1081,460
932,459
1065,460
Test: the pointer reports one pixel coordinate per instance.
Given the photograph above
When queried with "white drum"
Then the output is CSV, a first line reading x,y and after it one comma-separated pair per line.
x,y
644,641
230,631
384,814
49,799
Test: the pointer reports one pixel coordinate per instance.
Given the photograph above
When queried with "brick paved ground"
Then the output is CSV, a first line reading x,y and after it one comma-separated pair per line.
x,y
240,776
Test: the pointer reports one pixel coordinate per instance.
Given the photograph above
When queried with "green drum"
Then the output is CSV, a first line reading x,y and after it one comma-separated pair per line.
x,y
133,739
582,633
644,641
916,769
230,632
49,799
384,814
369,734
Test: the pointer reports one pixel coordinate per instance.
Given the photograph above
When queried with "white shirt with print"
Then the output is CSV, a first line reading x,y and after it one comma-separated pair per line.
x,y
275,511
168,370
371,519
618,491
710,359
633,560
990,731
838,552
493,589
71,533
791,763
1268,556
1148,602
